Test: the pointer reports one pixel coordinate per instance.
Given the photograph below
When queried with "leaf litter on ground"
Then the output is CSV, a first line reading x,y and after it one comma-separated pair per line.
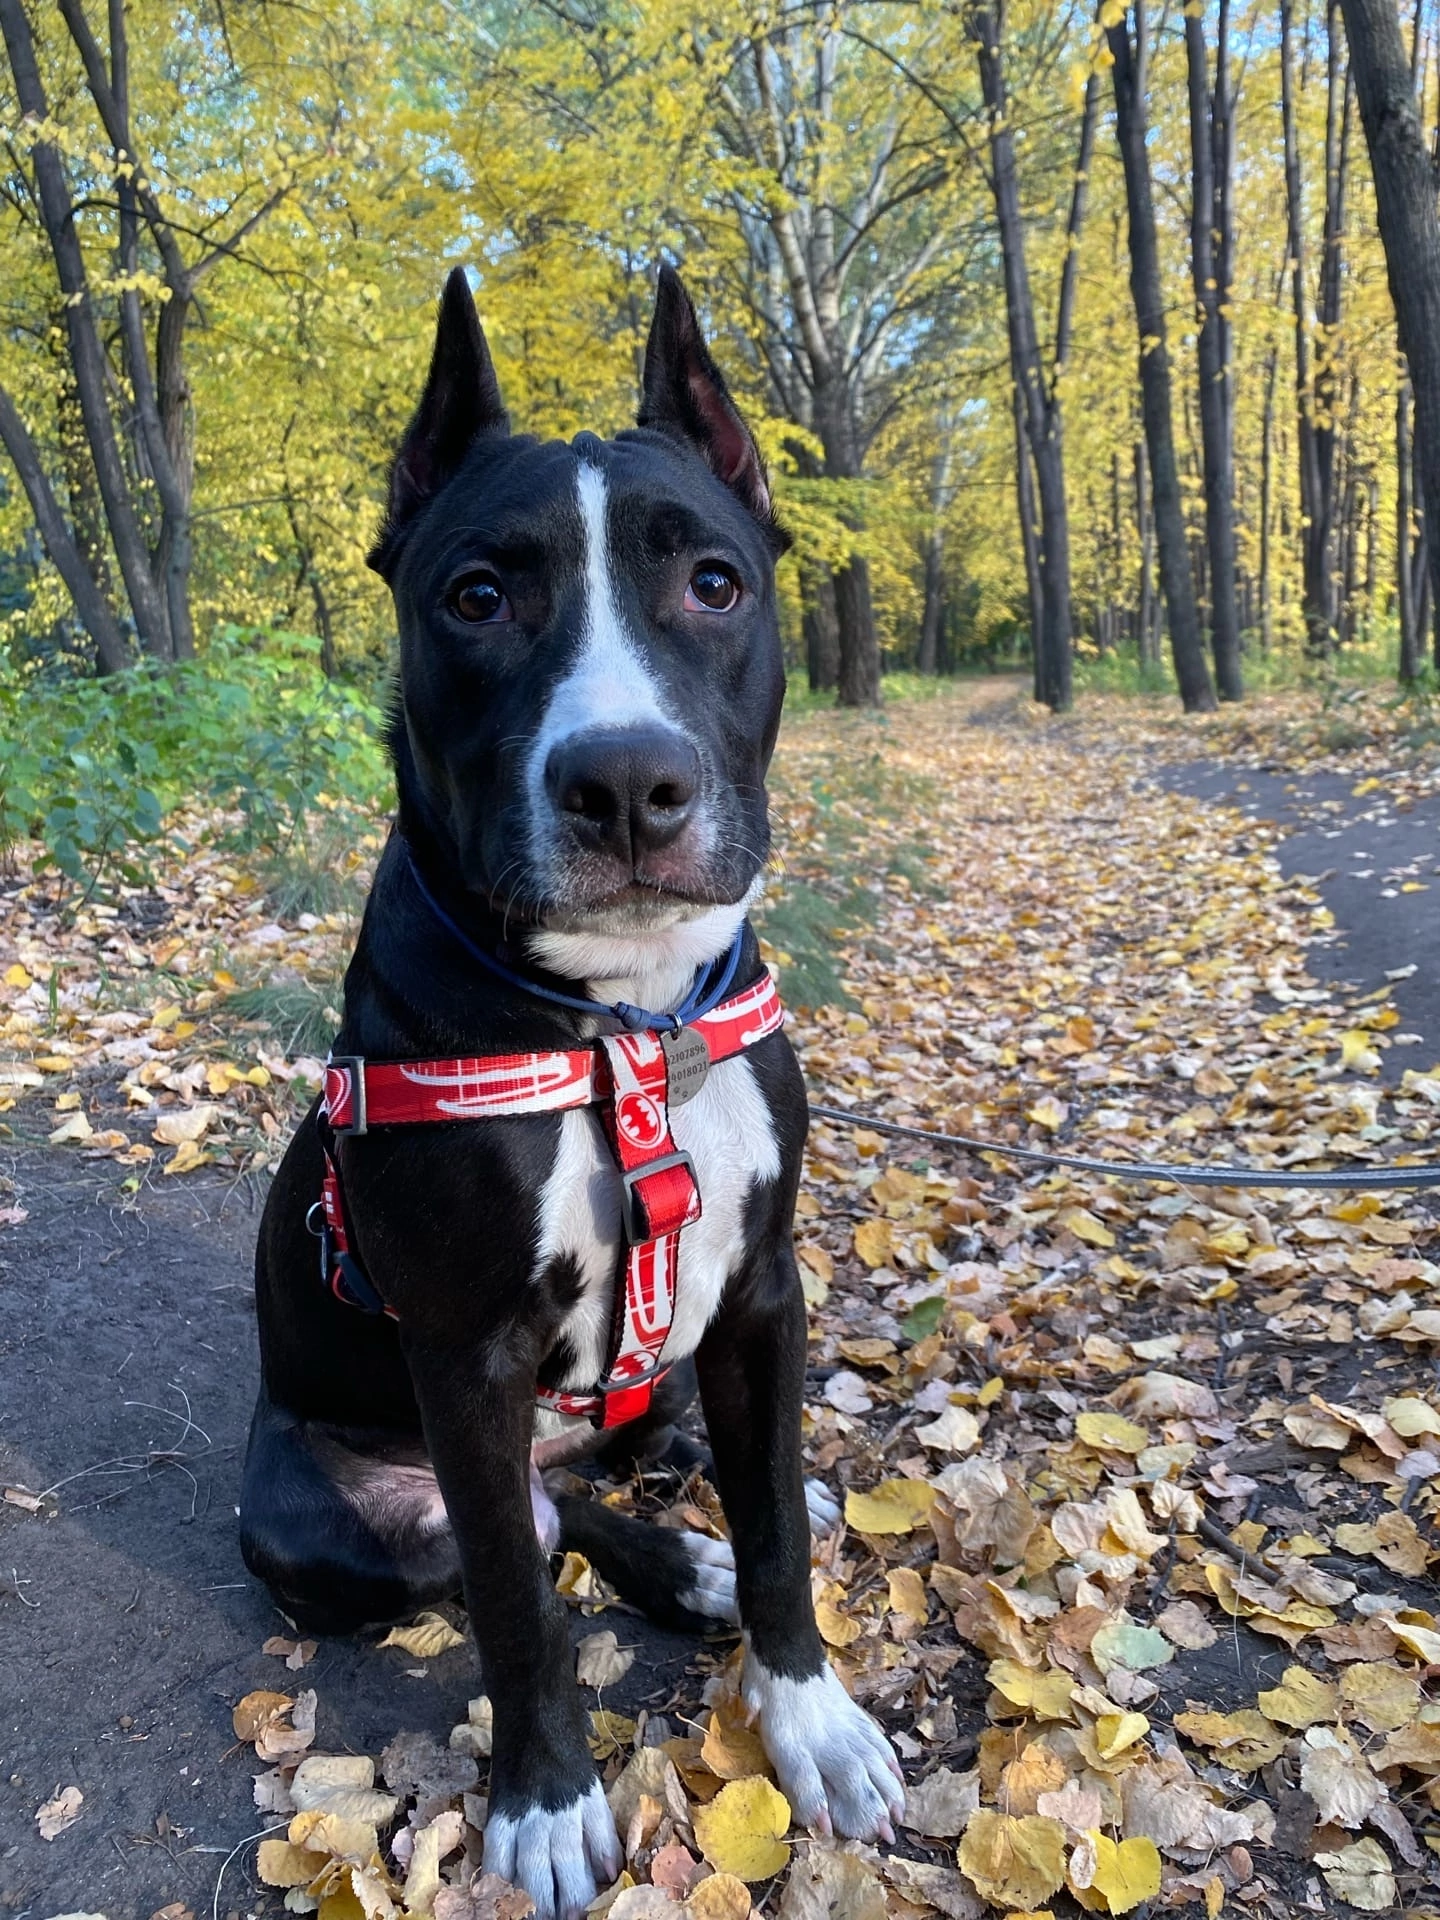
x,y
1139,1482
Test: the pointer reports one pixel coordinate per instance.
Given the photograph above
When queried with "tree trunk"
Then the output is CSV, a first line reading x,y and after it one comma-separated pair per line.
x,y
1410,651
941,493
1147,635
1317,620
858,684
1409,227
87,355
1210,170
1029,543
1186,645
1040,401
820,628
1267,488
90,603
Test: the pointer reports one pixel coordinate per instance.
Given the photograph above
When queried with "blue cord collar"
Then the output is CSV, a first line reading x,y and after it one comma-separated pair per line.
x,y
710,987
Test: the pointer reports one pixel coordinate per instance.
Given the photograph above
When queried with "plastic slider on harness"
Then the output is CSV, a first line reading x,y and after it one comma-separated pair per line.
x,y
628,1076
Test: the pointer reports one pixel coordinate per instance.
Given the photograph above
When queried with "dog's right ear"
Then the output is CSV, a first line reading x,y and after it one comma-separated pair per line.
x,y
461,401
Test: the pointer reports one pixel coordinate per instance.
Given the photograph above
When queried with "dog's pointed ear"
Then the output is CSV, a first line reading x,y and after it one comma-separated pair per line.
x,y
461,401
684,394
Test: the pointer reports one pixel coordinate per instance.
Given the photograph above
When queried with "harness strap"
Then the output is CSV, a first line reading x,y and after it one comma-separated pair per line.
x,y
635,1078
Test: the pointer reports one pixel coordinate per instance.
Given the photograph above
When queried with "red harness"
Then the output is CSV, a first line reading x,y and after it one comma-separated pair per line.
x,y
635,1079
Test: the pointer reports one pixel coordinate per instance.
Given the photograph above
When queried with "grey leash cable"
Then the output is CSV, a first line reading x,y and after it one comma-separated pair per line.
x,y
1339,1179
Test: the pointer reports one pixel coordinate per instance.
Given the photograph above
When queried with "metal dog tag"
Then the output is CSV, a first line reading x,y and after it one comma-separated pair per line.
x,y
687,1061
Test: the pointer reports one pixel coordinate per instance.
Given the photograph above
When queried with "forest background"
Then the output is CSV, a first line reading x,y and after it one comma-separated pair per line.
x,y
923,238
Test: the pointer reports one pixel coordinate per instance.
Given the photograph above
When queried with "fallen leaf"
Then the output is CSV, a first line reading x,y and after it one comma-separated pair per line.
x,y
895,1506
600,1661
430,1635
1013,1862
1360,1874
59,1813
1300,1700
741,1831
940,1804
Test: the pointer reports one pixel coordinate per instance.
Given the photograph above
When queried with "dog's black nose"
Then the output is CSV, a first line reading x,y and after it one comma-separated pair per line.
x,y
627,791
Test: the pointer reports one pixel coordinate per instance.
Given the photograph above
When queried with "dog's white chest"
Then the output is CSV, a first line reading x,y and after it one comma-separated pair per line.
x,y
727,1132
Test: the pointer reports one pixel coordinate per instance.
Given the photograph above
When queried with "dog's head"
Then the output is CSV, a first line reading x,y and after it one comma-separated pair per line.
x,y
590,664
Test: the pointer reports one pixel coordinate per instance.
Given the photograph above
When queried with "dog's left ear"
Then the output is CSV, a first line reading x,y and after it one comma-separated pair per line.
x,y
685,395
461,401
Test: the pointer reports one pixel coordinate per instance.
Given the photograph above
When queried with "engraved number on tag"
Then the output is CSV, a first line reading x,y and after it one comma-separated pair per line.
x,y
688,1059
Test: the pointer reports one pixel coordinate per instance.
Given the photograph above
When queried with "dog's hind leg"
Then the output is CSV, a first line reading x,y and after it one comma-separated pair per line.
x,y
678,1578
347,1528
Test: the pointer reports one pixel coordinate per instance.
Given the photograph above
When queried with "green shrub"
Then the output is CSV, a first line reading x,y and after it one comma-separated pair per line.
x,y
92,768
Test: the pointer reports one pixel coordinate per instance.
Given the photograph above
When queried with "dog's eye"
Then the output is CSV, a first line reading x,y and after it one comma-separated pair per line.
x,y
712,589
479,601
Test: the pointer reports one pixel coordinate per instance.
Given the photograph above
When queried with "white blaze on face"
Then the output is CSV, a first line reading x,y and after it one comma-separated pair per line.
x,y
607,684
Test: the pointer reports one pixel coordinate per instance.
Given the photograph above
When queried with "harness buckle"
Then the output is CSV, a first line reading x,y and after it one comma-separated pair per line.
x,y
353,1065
632,1205
624,1400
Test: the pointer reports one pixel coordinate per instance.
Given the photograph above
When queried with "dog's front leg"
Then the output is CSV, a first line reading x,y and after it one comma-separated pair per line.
x,y
833,1763
549,1829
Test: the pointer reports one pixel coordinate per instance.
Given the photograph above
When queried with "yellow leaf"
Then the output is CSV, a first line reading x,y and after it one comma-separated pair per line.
x,y
1125,1874
1411,1417
186,1157
610,1733
70,1131
990,1392
281,1864
895,1506
1382,1697
873,1242
1300,1700
1214,1897
1085,1226
1356,1053
1111,1432
731,1749
1041,1690
1013,1862
1114,1732
719,1896
54,1062
907,1593
16,976
431,1634
837,1628
1244,1741
742,1830
1048,1112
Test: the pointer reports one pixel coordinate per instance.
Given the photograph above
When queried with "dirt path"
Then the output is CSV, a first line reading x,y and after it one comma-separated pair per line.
x,y
128,1625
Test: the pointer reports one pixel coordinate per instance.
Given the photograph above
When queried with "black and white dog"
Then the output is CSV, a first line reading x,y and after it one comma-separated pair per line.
x,y
590,690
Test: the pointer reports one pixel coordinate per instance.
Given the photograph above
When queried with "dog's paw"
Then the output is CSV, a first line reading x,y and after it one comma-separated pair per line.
x,y
711,1591
558,1855
834,1765
822,1506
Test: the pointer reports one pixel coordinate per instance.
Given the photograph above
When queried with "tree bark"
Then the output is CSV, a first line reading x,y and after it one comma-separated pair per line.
x,y
1317,620
1040,400
1410,649
1409,226
1210,252
91,605
86,352
1029,542
819,626
1187,648
942,491
1267,489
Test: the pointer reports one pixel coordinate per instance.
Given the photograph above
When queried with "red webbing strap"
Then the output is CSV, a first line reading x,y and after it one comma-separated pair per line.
x,y
661,1198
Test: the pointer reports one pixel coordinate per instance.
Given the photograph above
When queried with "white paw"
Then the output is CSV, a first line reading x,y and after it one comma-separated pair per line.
x,y
712,1589
834,1765
557,1854
822,1506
